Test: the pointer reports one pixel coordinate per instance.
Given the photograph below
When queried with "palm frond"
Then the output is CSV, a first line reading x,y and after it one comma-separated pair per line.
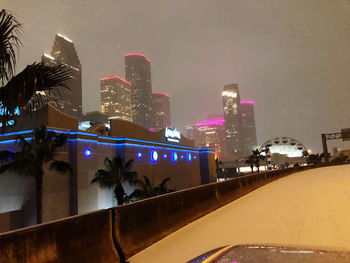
x,y
10,29
128,165
19,91
108,164
164,181
130,177
141,183
147,180
138,194
104,179
118,162
61,167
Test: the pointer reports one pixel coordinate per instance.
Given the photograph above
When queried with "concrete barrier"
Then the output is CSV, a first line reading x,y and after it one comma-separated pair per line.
x,y
142,223
90,237
85,238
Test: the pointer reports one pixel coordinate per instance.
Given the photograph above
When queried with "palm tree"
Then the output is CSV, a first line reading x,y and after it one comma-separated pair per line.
x,y
148,189
117,172
341,158
33,155
314,159
256,157
251,162
23,92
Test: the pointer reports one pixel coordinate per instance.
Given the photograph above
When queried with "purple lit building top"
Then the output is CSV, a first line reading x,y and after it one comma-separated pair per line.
x,y
247,102
209,123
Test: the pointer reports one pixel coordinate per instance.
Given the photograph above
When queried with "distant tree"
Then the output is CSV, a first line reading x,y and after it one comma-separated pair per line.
x,y
341,158
117,172
21,92
251,162
33,155
314,159
147,189
256,157
322,155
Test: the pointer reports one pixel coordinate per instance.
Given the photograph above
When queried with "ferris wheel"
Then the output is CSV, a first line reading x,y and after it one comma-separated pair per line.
x,y
284,145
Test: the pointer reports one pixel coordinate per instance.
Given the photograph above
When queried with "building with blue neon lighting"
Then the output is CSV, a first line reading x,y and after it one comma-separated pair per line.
x,y
153,156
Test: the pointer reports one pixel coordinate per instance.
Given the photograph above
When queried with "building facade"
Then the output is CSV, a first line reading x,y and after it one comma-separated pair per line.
x,y
232,116
211,133
154,155
248,130
138,73
160,111
116,98
69,100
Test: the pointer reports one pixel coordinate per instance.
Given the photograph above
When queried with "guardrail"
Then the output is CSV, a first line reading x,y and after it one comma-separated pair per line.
x,y
89,237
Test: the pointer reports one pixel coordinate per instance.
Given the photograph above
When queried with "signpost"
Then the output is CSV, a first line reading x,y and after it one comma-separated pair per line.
x,y
344,134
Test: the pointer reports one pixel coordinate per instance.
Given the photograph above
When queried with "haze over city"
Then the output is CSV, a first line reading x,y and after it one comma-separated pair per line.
x,y
292,58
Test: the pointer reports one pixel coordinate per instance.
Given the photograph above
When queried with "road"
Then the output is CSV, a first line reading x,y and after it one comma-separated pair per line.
x,y
307,208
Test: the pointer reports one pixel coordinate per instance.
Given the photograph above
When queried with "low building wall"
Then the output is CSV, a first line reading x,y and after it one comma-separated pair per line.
x,y
85,238
89,237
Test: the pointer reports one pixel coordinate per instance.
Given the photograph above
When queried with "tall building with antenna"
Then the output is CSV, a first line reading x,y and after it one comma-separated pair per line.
x,y
69,100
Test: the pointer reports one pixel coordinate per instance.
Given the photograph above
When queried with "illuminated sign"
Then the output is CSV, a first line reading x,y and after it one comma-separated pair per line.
x,y
172,135
3,111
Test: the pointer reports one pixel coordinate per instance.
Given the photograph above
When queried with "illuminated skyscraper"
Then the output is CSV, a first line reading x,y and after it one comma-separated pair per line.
x,y
248,130
209,134
160,111
232,116
63,52
138,73
116,98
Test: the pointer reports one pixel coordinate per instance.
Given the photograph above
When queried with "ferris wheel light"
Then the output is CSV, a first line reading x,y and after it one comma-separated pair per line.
x,y
285,146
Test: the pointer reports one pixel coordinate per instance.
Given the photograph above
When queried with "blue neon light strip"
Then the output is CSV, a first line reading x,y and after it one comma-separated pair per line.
x,y
16,133
155,143
74,132
175,147
8,141
137,145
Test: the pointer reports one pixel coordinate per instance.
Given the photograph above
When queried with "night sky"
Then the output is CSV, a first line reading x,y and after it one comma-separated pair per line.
x,y
291,57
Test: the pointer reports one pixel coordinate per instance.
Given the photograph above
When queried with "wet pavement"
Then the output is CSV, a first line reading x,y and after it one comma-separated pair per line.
x,y
309,208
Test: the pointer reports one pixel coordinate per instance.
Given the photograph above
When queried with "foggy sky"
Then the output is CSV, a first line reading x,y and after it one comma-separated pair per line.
x,y
291,57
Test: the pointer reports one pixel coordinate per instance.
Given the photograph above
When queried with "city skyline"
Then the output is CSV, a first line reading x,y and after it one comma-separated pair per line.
x,y
293,68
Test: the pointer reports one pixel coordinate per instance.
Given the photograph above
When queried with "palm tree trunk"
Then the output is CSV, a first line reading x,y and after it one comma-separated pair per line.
x,y
39,196
119,195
